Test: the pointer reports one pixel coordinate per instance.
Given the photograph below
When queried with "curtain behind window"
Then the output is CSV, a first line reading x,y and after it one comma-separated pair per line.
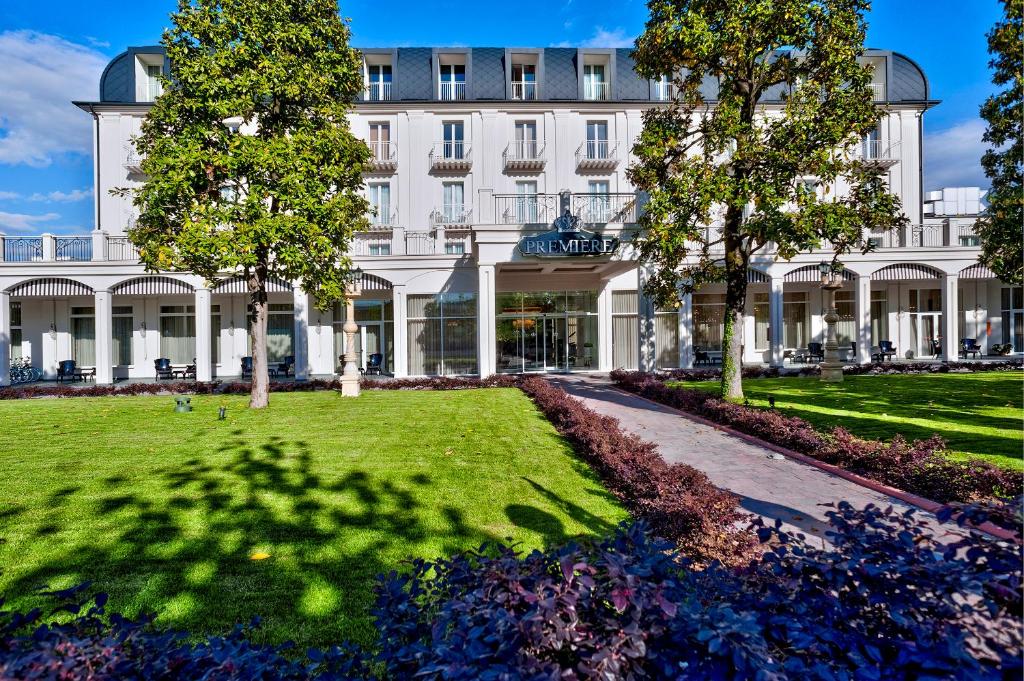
x,y
83,341
178,338
122,340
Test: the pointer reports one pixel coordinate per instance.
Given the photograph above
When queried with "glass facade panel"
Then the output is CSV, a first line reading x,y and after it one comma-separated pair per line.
x,y
666,339
762,319
879,317
708,321
546,331
1012,303
442,334
795,320
846,327
121,343
83,336
625,330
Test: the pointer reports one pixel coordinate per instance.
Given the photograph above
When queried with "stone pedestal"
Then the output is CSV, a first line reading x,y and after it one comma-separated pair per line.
x,y
832,367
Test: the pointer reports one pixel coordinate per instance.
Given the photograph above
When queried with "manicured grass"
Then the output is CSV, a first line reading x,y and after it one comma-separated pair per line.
x,y
165,510
978,415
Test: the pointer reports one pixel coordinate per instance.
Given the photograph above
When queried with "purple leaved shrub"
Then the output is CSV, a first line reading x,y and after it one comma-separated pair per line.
x,y
873,369
918,467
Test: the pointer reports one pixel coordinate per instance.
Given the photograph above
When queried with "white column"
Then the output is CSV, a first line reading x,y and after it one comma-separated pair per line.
x,y
485,322
104,337
950,319
604,327
301,321
862,298
99,245
5,337
645,318
750,354
401,332
775,321
204,355
686,331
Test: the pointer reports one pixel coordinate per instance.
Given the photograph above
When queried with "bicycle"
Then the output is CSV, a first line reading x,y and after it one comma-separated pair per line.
x,y
22,371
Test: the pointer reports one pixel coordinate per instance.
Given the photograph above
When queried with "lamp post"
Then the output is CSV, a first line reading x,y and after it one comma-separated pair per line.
x,y
350,372
831,281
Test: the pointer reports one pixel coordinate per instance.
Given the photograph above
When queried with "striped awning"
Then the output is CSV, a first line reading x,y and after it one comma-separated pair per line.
x,y
372,282
906,272
757,276
239,285
50,287
151,286
977,271
811,273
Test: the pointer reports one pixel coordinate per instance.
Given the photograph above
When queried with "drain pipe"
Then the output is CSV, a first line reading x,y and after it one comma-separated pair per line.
x,y
95,167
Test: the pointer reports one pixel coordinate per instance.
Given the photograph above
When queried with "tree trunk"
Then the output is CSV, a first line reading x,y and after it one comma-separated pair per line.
x,y
735,301
259,395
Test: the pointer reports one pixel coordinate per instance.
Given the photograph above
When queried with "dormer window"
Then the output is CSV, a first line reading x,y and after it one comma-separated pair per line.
x,y
378,82
662,89
154,88
524,81
595,83
452,81
148,69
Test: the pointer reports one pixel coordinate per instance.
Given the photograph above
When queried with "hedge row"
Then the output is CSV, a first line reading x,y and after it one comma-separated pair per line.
x,y
918,467
873,369
884,601
678,502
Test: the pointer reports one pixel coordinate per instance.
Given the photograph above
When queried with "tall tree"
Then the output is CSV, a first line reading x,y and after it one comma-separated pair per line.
x,y
1001,228
249,159
729,177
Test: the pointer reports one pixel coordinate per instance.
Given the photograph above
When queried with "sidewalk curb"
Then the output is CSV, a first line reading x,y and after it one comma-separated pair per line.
x,y
906,497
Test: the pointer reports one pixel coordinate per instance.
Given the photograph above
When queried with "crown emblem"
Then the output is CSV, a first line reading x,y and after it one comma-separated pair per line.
x,y
567,222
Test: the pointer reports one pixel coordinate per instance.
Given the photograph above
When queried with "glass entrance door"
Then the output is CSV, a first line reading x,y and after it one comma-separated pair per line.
x,y
925,327
369,341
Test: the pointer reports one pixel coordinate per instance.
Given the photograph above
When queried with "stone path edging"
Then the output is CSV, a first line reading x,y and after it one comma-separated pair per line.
x,y
906,497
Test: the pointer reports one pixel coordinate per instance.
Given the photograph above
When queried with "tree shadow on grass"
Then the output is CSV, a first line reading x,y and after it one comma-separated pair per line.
x,y
181,542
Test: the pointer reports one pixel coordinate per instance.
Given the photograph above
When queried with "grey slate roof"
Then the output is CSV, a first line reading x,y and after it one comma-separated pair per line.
x,y
559,74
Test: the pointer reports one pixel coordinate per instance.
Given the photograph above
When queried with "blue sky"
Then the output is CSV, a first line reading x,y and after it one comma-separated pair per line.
x,y
51,53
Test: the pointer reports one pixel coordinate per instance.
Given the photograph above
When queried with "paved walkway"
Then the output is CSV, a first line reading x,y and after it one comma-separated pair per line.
x,y
768,485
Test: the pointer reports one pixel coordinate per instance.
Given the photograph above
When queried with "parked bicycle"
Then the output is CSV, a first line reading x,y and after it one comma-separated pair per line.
x,y
22,371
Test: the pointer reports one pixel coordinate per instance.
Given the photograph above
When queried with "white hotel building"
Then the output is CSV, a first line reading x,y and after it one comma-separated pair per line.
x,y
475,148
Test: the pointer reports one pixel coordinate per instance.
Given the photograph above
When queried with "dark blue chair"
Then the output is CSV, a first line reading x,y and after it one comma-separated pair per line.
x,y
886,350
374,364
66,369
969,346
246,366
287,367
815,350
163,368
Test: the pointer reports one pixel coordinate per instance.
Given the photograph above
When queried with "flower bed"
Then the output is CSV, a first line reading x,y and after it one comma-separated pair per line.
x,y
884,601
917,467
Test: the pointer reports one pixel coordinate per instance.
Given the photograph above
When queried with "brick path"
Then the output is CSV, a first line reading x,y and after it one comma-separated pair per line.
x,y
767,484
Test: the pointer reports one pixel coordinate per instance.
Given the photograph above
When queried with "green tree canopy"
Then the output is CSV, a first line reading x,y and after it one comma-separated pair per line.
x,y
250,162
729,177
1002,229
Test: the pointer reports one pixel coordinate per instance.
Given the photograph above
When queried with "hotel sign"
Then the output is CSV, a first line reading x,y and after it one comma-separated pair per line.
x,y
568,239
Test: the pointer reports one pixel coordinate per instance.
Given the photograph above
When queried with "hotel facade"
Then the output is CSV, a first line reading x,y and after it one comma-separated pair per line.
x,y
477,153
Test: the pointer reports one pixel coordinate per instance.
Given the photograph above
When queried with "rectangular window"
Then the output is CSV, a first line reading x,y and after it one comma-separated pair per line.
x,y
524,81
178,333
526,201
453,82
454,142
625,330
762,320
380,141
661,88
16,338
594,85
379,86
442,334
597,139
525,146
879,317
83,336
666,339
795,325
123,326
379,195
599,208
153,86
708,321
454,207
280,331
872,144
846,327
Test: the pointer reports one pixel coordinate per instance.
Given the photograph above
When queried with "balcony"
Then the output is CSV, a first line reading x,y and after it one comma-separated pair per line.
x,y
121,249
936,235
22,248
72,248
377,92
132,162
877,92
595,91
524,90
384,156
526,209
597,155
524,155
878,156
451,157
452,215
599,209
452,91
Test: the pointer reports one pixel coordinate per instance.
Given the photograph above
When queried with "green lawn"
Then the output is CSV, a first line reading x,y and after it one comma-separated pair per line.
x,y
978,414
165,510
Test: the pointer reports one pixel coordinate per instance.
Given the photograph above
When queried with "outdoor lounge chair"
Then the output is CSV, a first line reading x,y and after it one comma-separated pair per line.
x,y
65,370
701,356
246,366
286,367
936,347
374,363
815,350
886,351
1000,349
969,346
163,368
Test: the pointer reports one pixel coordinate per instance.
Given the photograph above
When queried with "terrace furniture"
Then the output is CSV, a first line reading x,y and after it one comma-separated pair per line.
x,y
701,356
885,351
68,369
936,347
246,366
815,350
287,367
969,346
188,371
788,354
163,368
1001,349
374,363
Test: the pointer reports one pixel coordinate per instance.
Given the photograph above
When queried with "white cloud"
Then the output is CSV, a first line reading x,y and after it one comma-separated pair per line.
x,y
601,38
41,74
952,157
63,197
9,196
20,222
